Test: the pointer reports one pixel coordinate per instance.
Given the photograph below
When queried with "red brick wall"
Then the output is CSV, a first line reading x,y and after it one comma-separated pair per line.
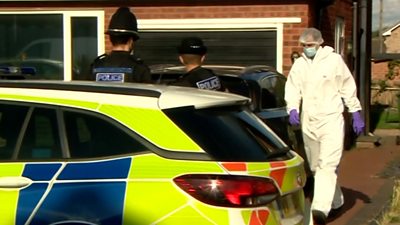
x,y
342,8
378,71
291,32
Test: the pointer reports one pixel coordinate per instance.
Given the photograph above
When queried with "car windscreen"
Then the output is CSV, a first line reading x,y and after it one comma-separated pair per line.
x,y
229,133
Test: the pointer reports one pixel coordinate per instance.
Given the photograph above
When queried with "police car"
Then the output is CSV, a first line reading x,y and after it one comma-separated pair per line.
x,y
263,85
83,152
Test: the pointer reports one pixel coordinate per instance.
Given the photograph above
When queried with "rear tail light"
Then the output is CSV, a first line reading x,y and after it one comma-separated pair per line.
x,y
229,190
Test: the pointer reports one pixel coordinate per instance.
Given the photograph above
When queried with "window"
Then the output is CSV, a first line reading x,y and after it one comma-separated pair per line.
x,y
90,136
41,139
58,45
11,120
340,36
84,45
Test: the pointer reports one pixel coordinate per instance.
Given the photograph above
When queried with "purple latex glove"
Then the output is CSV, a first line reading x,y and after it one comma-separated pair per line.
x,y
358,123
294,117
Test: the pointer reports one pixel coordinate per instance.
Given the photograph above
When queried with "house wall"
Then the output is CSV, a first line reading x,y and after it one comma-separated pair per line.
x,y
392,42
379,70
388,96
291,32
344,9
306,10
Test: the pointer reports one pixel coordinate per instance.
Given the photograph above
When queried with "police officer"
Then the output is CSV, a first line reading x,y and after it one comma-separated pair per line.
x,y
192,54
120,65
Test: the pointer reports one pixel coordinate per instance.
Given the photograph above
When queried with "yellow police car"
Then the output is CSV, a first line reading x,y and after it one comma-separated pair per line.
x,y
138,154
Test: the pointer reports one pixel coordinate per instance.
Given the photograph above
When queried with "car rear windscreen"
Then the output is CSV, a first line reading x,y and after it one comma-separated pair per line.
x,y
229,133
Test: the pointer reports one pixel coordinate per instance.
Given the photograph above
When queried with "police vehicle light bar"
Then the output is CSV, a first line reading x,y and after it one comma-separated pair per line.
x,y
14,72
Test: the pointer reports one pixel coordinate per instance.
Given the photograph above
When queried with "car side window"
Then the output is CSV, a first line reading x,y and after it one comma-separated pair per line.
x,y
11,120
41,139
91,136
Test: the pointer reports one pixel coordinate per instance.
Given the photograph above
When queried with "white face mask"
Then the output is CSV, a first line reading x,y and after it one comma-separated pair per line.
x,y
310,51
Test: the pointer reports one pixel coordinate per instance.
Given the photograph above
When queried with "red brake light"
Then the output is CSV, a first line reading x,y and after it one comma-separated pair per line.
x,y
229,190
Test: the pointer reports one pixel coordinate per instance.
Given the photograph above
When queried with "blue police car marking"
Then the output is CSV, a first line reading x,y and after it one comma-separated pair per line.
x,y
28,200
211,83
79,189
30,196
110,77
113,169
100,201
41,172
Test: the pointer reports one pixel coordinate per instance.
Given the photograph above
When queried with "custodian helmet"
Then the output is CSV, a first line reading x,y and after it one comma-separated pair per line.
x,y
123,22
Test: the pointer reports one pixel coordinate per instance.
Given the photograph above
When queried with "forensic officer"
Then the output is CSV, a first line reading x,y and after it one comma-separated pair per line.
x,y
320,85
120,65
192,54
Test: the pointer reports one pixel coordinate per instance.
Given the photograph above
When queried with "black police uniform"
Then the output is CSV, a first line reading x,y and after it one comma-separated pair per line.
x,y
198,77
120,66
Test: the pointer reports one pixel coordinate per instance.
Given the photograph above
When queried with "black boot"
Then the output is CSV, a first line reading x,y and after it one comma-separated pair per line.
x,y
319,217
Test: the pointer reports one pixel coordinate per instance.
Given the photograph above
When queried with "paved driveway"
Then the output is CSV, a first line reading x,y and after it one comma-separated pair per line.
x,y
366,176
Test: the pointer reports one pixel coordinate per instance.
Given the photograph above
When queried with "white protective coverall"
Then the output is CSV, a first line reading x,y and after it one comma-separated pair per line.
x,y
322,86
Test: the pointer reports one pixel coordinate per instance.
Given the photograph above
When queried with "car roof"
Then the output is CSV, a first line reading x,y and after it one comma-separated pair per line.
x,y
169,72
220,69
134,94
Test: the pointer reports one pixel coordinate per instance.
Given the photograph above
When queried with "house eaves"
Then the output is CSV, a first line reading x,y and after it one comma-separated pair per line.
x,y
389,32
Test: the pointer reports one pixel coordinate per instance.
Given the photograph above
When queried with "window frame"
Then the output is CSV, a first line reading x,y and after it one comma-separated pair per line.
x,y
62,133
26,126
340,36
67,42
131,133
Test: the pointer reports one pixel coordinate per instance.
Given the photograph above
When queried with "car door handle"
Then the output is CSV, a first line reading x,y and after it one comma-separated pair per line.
x,y
14,182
